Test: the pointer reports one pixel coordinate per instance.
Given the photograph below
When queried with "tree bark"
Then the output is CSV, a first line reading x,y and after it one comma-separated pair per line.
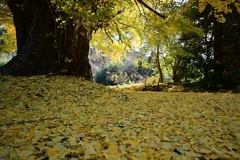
x,y
160,79
230,47
218,51
43,46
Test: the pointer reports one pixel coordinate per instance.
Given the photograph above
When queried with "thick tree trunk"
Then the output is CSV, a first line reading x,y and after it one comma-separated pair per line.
x,y
231,48
218,51
45,48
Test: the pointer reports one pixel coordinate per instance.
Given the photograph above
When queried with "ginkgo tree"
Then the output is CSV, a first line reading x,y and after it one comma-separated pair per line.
x,y
53,36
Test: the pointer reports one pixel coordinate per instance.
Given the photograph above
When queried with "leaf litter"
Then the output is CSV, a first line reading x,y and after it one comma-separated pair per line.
x,y
69,118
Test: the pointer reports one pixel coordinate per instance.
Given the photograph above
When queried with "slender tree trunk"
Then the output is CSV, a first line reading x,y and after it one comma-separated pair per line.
x,y
209,45
45,48
176,74
160,79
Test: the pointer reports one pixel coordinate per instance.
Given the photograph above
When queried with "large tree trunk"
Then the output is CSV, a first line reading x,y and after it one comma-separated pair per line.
x,y
218,51
45,48
231,48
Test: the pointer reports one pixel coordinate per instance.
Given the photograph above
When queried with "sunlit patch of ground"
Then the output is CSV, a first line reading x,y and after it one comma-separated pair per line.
x,y
70,118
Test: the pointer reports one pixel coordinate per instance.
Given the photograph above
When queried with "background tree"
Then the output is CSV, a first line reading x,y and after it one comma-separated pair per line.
x,y
201,47
216,51
164,42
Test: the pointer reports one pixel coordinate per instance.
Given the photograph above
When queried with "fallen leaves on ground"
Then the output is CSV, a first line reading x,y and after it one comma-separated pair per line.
x,y
70,118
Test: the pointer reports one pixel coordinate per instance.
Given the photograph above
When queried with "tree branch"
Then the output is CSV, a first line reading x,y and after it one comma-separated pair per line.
x,y
148,7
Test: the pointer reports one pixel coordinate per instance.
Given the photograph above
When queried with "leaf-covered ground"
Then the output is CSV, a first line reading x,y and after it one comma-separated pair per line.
x,y
61,118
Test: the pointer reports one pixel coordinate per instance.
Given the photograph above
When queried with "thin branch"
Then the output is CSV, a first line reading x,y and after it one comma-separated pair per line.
x,y
109,36
148,7
139,8
119,33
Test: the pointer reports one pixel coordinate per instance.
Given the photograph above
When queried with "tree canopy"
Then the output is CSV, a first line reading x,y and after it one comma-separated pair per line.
x,y
220,8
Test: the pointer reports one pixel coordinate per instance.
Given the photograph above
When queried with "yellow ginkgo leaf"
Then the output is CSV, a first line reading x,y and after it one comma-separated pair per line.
x,y
97,146
52,151
113,149
89,151
72,141
134,143
25,154
112,152
237,119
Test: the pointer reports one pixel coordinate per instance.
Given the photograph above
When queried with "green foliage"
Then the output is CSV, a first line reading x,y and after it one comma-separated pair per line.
x,y
202,49
3,61
7,30
3,37
5,57
102,76
94,14
126,72
115,74
7,41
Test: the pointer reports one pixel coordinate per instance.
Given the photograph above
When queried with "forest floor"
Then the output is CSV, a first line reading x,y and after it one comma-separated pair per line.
x,y
69,118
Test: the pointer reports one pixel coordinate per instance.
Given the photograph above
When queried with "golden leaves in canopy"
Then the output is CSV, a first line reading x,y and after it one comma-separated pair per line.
x,y
220,7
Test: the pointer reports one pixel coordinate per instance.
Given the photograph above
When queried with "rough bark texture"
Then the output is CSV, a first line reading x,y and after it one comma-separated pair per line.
x,y
44,48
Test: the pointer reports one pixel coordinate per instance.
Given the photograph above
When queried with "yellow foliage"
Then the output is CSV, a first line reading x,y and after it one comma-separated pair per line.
x,y
122,34
11,40
237,4
10,29
7,22
221,7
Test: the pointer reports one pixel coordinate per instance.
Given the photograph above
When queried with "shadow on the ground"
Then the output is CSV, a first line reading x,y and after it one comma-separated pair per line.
x,y
165,87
